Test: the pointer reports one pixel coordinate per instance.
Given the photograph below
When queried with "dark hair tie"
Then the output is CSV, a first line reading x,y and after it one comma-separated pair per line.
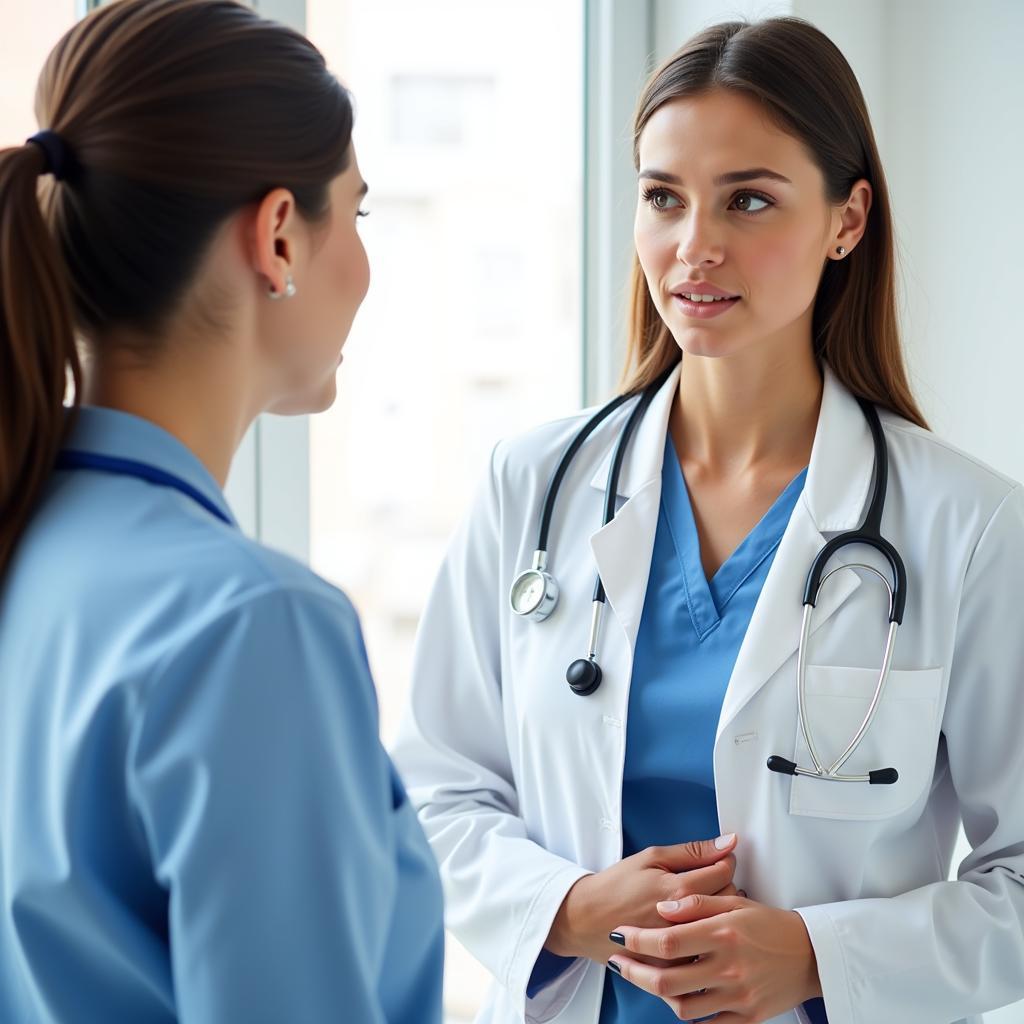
x,y
60,160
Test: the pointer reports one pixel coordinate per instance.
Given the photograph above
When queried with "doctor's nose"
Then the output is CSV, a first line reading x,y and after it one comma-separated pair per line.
x,y
699,243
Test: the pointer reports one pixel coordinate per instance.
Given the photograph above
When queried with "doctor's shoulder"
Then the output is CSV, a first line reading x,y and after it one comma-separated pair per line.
x,y
936,478
522,463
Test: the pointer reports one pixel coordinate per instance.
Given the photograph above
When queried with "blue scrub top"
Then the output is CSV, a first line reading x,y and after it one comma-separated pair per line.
x,y
197,819
689,637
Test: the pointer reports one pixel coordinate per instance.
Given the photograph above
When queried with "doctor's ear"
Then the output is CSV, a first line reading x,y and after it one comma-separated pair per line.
x,y
271,238
851,219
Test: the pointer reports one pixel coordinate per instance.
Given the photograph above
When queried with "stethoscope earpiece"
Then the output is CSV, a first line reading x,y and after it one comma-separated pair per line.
x,y
583,677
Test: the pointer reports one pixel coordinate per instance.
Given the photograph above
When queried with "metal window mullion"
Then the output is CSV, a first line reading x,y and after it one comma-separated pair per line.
x,y
618,47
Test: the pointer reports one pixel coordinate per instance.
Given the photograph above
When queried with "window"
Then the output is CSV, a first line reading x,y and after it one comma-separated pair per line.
x,y
469,125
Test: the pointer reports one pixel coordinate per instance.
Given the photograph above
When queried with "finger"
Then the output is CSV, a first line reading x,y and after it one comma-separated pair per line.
x,y
698,907
667,943
696,854
703,1003
664,982
709,879
729,890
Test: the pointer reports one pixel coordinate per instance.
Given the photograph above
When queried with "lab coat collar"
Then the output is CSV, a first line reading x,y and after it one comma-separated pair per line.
x,y
117,434
838,477
835,491
842,460
647,448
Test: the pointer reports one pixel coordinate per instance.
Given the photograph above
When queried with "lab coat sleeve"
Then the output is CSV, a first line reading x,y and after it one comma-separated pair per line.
x,y
267,803
954,948
502,889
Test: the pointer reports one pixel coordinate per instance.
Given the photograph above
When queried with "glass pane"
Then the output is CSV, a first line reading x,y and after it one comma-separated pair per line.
x,y
469,120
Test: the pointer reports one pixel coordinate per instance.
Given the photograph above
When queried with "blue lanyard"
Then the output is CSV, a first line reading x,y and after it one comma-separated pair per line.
x,y
73,460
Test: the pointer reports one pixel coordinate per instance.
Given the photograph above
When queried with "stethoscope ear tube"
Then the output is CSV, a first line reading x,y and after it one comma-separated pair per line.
x,y
898,604
868,533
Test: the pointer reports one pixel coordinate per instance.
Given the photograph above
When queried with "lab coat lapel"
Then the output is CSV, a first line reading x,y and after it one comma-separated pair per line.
x,y
774,631
622,549
835,493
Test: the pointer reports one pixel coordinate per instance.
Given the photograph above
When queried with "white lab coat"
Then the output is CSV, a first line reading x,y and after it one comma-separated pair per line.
x,y
517,780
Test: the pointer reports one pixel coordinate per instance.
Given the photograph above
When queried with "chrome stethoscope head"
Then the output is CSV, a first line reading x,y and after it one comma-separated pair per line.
x,y
534,592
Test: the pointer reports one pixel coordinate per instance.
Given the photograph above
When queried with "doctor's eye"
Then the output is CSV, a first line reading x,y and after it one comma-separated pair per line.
x,y
362,213
756,197
659,198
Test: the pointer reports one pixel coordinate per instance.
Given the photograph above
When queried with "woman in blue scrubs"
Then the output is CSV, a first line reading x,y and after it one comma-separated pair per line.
x,y
197,820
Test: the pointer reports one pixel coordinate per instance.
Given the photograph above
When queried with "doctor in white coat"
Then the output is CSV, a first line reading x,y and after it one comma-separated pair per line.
x,y
575,833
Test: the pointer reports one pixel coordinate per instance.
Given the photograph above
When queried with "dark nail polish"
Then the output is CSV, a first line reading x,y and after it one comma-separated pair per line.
x,y
615,967
618,938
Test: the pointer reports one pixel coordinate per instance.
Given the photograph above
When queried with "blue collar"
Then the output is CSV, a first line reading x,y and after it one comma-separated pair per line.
x,y
108,438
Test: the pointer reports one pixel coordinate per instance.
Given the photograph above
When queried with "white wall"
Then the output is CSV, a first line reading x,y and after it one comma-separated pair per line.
x,y
955,92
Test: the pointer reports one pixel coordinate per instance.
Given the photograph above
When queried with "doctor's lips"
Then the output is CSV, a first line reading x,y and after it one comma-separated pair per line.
x,y
701,299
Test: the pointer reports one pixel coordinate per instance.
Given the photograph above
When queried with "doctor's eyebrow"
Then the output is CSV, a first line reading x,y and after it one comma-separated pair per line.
x,y
729,178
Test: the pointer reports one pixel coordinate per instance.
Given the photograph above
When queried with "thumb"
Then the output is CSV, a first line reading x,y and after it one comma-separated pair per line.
x,y
699,853
698,907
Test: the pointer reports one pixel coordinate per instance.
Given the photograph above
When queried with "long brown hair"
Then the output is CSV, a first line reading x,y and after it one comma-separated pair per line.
x,y
177,113
808,89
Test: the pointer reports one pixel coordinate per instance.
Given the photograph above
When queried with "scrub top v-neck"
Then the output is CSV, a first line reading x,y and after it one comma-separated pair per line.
x,y
690,635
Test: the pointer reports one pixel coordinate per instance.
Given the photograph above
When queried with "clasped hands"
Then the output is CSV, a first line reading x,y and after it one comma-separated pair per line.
x,y
691,939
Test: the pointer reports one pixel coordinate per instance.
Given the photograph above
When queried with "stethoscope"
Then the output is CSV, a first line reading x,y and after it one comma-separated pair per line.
x,y
534,592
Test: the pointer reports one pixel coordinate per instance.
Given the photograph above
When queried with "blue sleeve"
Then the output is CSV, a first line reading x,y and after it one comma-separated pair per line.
x,y
266,799
548,967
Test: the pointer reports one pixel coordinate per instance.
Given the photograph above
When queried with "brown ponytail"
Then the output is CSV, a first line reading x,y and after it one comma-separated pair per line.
x,y
805,83
177,113
37,347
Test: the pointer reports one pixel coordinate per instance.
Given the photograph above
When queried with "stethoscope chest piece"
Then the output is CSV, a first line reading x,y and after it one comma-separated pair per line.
x,y
534,591
583,676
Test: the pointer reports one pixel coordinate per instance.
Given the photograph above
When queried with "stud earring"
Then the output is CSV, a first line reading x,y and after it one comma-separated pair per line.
x,y
289,289
841,250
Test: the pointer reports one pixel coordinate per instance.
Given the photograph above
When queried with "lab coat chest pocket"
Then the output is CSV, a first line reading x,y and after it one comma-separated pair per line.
x,y
903,735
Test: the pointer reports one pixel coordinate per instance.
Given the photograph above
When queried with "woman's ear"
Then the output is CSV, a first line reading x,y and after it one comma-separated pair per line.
x,y
272,237
853,216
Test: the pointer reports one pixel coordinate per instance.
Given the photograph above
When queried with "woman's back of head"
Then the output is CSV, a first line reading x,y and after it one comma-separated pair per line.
x,y
167,117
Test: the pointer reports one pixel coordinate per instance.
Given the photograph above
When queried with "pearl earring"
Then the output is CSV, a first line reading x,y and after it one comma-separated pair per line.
x,y
841,250
289,289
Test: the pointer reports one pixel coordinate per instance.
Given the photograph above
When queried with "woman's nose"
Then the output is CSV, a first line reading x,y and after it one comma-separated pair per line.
x,y
699,240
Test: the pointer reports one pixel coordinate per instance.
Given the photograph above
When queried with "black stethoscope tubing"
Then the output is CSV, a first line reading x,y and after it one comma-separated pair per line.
x,y
870,531
584,674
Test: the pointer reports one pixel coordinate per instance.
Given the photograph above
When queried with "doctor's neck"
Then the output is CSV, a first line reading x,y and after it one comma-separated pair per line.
x,y
739,413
